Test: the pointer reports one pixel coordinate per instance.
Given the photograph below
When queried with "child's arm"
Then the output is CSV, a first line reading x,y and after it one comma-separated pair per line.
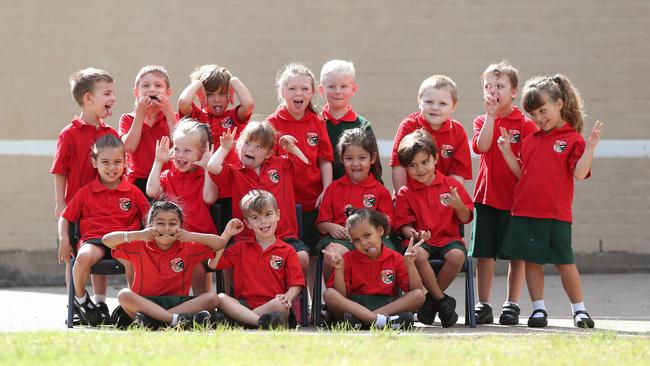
x,y
583,166
154,188
399,177
186,98
131,139
288,143
59,194
339,271
210,190
484,141
454,201
65,248
215,165
168,111
508,155
334,230
247,104
409,261
326,177
117,238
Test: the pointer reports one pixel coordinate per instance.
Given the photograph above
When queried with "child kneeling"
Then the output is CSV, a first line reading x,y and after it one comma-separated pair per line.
x,y
362,288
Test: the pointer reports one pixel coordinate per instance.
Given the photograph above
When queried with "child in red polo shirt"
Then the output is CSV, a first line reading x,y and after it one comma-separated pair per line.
x,y
494,189
358,189
152,119
540,227
337,86
297,117
106,204
94,92
163,255
187,182
431,206
266,272
363,286
437,98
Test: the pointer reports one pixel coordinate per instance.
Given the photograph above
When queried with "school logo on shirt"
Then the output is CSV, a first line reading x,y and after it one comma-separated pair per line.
x,y
312,138
387,276
274,176
447,151
514,136
369,200
227,122
276,262
177,264
559,146
125,204
443,199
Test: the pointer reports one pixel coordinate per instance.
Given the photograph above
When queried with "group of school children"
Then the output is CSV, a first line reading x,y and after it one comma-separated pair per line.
x,y
146,194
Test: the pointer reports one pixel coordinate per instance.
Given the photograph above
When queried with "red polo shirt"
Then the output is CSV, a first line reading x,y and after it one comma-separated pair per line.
x,y
276,177
450,139
313,141
141,160
72,155
420,206
545,189
343,193
101,210
259,275
349,116
163,273
187,190
365,276
495,182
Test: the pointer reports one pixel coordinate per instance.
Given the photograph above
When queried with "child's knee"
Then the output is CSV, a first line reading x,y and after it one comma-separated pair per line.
x,y
211,299
421,255
418,295
455,257
329,294
124,295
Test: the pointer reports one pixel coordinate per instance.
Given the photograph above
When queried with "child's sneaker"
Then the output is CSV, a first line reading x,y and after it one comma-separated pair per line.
x,y
483,313
352,321
427,312
217,317
403,321
447,311
538,322
509,315
88,312
145,321
120,318
201,320
582,322
105,313
272,320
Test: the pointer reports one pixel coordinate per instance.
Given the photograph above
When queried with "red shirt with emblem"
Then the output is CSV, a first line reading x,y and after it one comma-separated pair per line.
x,y
313,141
140,161
276,177
260,274
163,273
495,182
379,276
342,193
101,210
421,206
545,189
72,155
451,141
186,189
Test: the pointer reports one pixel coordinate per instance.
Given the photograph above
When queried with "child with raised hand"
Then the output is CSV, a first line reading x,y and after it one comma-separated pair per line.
x,y
163,255
431,206
362,288
297,117
337,86
437,99
358,188
152,119
187,181
266,274
494,189
106,204
541,210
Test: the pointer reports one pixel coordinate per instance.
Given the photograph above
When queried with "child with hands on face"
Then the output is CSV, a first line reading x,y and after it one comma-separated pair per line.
x,y
362,289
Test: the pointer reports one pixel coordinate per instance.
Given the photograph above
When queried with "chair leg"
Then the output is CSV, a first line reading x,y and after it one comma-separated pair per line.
x,y
71,294
318,289
219,284
469,294
304,306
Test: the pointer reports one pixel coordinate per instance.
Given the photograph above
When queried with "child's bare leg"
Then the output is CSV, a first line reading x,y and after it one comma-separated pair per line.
x,y
516,277
272,306
303,258
427,274
201,280
237,311
339,304
100,284
207,301
88,255
133,303
535,280
571,281
327,263
410,301
484,277
454,260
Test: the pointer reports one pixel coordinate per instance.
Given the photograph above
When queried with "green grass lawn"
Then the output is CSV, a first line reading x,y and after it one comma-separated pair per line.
x,y
94,348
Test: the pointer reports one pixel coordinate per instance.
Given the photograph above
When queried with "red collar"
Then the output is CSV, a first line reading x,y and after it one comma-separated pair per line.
x,y
80,123
437,180
97,186
358,255
283,113
367,183
349,116
446,125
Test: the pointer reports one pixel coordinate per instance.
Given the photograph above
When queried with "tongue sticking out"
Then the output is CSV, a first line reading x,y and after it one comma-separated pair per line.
x,y
109,111
372,250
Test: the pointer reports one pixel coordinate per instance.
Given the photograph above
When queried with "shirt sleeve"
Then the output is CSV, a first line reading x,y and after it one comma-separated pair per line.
x,y
403,213
478,125
230,256
576,154
325,150
72,211
326,209
402,273
462,160
295,277
125,250
404,129
199,252
62,154
142,205
385,204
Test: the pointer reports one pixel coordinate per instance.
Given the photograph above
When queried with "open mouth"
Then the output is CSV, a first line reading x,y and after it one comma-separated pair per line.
x,y
218,110
109,110
298,104
248,159
371,250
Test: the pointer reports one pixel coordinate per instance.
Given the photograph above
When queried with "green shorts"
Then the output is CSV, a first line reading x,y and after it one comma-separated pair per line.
x,y
310,235
168,302
488,231
326,240
439,252
372,302
298,245
539,241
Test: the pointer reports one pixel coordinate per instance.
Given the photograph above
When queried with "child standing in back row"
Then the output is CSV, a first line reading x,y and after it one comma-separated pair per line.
x,y
494,189
540,227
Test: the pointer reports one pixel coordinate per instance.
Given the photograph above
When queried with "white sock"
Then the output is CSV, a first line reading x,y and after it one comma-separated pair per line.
x,y
539,304
82,300
507,303
577,307
100,298
381,321
174,320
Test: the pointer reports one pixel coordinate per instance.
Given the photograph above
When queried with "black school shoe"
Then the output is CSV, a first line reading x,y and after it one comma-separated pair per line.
x,y
581,322
427,312
120,318
352,321
145,321
509,315
274,320
403,321
88,312
105,313
483,313
539,322
447,311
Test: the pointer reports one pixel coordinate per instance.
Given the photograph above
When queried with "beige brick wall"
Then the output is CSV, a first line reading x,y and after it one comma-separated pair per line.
x,y
602,46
